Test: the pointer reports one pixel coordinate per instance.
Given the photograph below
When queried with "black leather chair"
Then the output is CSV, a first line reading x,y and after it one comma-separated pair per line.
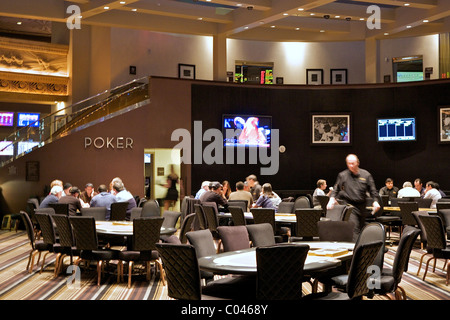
x,y
234,238
261,234
99,213
237,216
66,240
119,211
151,209
306,226
60,208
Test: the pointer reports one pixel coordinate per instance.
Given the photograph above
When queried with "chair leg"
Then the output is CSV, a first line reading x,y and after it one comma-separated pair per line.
x,y
119,270
448,274
32,252
130,270
43,261
426,267
403,292
420,263
99,272
161,271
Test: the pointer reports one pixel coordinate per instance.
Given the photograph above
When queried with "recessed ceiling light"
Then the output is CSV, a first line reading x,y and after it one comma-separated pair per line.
x,y
122,2
272,26
245,27
406,4
361,19
199,18
425,21
312,14
337,17
386,33
19,22
322,30
408,27
297,28
134,9
238,4
285,14
106,8
208,0
300,9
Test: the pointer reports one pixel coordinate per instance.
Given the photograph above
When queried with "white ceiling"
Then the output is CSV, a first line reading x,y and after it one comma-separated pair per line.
x,y
270,20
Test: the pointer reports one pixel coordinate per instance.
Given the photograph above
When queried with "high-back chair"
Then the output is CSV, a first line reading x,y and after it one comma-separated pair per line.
x,y
261,234
99,213
119,211
302,202
237,216
200,217
337,213
234,237
306,226
239,203
66,240
151,209
170,219
60,208
286,207
406,209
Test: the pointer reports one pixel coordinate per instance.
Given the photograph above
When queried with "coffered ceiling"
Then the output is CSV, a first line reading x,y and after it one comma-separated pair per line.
x,y
270,20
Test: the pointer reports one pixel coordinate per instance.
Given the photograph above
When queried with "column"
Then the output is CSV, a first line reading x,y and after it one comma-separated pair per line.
x,y
220,57
371,60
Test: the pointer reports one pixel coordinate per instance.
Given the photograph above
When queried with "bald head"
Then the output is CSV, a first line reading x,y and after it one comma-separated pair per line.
x,y
352,163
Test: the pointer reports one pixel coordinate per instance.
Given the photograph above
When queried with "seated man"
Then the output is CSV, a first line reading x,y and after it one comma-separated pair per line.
x,y
389,189
432,193
73,201
215,194
122,195
103,199
408,191
88,193
53,197
241,194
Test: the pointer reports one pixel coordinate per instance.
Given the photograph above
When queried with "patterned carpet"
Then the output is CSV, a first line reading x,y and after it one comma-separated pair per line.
x,y
17,284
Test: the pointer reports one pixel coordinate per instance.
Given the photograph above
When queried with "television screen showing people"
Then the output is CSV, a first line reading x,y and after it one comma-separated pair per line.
x,y
248,131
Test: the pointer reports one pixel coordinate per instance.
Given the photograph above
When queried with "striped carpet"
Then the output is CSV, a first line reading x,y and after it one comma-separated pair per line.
x,y
17,284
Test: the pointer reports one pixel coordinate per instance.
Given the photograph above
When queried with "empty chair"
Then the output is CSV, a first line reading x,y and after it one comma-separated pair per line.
x,y
99,213
135,213
182,272
119,211
261,234
306,226
286,207
200,217
151,209
390,279
170,219
186,226
335,230
50,211
436,241
239,203
281,280
288,199
337,213
384,200
237,216
86,241
146,233
406,209
66,240
264,215
234,238
203,242
302,202
60,208
212,221
323,200
48,236
37,246
356,288
424,203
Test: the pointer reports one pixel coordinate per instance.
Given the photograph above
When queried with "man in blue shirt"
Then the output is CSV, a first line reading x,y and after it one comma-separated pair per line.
x,y
103,199
53,197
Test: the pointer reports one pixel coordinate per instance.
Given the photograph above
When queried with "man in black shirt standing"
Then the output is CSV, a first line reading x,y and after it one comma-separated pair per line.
x,y
352,186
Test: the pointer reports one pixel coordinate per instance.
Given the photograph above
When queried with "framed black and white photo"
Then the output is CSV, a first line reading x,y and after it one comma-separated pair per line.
x,y
186,71
338,76
331,129
444,124
314,76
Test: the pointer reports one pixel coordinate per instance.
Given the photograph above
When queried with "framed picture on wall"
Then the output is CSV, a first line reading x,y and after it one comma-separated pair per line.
x,y
331,129
186,71
338,76
32,171
314,76
444,124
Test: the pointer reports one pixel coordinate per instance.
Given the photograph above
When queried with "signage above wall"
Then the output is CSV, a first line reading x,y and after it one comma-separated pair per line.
x,y
108,142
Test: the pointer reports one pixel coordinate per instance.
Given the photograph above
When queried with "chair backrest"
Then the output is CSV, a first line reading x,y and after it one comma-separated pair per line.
x,y
347,212
151,209
288,199
119,211
60,208
443,206
405,209
146,233
424,203
47,228
307,219
384,200
371,232
264,215
363,257
444,214
186,226
182,272
34,202
135,213
203,242
423,233
302,202
29,227
239,203
323,200
434,228
330,230
237,215
337,213
234,237
141,202
286,207
395,201
409,236
50,211
212,221
261,234
281,280
170,218
65,231
85,232
200,216
99,213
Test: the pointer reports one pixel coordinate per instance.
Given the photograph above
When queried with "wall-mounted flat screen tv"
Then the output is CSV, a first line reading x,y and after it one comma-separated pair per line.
x,y
6,148
28,119
247,130
396,129
6,119
26,146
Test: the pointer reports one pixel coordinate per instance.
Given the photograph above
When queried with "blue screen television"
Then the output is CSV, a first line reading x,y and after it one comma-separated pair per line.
x,y
6,119
396,129
249,130
28,119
